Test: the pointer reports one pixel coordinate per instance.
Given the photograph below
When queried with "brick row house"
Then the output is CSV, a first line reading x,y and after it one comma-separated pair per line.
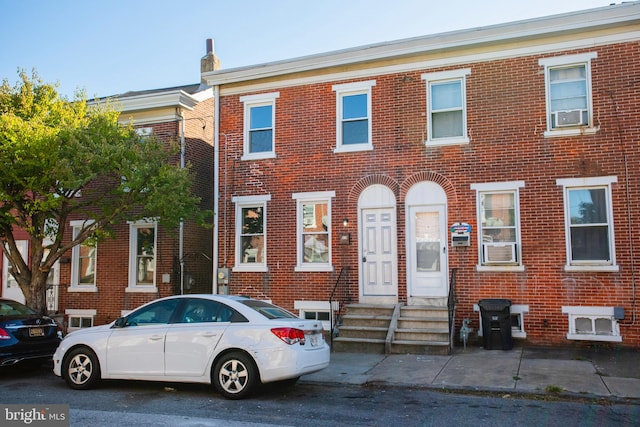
x,y
143,261
496,162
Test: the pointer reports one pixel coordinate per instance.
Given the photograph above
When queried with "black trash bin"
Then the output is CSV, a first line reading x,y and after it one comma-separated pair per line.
x,y
496,324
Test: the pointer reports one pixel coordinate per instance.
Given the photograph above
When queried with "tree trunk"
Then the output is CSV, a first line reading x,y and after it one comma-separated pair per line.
x,y
35,293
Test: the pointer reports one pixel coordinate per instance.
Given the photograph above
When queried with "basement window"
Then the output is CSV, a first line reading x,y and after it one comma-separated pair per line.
x,y
592,324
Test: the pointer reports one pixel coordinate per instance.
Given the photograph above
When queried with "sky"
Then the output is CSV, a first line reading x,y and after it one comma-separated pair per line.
x,y
109,47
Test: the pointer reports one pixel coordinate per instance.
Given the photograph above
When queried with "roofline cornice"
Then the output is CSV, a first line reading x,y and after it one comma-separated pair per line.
x,y
567,23
150,101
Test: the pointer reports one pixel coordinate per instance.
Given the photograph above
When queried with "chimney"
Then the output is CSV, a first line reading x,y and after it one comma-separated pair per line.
x,y
210,61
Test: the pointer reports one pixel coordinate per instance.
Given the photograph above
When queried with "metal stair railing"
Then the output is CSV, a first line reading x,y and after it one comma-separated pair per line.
x,y
340,294
451,305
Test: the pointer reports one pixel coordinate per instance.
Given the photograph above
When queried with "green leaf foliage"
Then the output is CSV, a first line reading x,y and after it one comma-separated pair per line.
x,y
63,159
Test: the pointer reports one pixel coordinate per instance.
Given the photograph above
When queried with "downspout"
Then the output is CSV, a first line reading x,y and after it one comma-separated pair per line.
x,y
181,227
216,186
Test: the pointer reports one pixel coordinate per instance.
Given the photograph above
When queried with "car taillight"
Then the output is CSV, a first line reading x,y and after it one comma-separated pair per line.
x,y
4,335
289,335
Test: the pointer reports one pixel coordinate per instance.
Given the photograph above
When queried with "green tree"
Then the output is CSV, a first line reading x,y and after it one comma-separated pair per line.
x,y
64,160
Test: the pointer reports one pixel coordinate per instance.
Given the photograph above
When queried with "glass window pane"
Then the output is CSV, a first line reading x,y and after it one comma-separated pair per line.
x,y
604,327
447,124
145,255
446,95
583,325
355,132
261,117
427,241
260,141
354,106
316,248
315,216
570,73
588,206
253,249
590,243
252,220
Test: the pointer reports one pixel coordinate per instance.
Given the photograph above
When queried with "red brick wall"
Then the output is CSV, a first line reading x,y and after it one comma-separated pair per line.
x,y
505,122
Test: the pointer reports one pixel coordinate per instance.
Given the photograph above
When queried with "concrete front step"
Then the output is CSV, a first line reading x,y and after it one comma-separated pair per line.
x,y
419,347
363,332
359,345
422,334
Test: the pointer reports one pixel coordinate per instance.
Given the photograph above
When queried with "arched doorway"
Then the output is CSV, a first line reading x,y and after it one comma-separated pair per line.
x,y
378,257
426,231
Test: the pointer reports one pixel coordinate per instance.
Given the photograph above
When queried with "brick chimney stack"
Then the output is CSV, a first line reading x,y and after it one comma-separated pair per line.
x,y
210,61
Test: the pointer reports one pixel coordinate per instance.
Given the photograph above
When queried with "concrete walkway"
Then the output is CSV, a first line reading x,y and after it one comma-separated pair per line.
x,y
602,373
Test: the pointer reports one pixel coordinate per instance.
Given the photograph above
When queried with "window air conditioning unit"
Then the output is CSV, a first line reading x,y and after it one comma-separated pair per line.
x,y
570,118
499,253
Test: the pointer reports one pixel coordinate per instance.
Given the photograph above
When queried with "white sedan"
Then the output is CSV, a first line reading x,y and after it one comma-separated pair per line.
x,y
234,343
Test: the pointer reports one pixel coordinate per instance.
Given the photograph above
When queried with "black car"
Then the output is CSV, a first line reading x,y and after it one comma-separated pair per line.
x,y
26,337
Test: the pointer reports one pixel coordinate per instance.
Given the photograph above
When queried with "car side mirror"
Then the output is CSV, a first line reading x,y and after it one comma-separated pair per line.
x,y
120,322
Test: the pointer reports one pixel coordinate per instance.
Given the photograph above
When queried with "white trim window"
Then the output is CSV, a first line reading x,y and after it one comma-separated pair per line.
x,y
315,310
588,215
447,107
568,94
83,261
251,233
259,125
143,240
353,116
313,225
79,319
592,324
498,210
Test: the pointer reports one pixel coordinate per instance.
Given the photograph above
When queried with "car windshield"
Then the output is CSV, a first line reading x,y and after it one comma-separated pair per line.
x,y
12,308
269,311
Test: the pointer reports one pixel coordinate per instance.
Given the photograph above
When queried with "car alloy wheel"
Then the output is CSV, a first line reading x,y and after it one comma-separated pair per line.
x,y
235,375
80,369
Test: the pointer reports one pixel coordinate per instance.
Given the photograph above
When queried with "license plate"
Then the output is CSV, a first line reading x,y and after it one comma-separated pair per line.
x,y
314,340
36,332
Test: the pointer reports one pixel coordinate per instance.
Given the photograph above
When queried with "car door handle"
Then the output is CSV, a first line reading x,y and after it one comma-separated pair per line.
x,y
155,337
209,334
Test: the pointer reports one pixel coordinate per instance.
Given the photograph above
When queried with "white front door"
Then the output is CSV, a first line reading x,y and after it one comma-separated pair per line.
x,y
378,255
427,251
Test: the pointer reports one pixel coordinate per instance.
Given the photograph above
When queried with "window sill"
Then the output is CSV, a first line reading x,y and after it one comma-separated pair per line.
x,y
447,141
259,156
500,268
141,289
590,337
596,268
571,132
353,148
314,268
250,268
82,289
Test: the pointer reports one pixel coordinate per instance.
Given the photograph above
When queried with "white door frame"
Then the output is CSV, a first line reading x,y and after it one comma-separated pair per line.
x,y
426,196
378,197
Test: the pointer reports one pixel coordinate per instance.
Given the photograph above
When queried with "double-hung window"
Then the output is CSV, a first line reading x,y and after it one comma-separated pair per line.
x,y
446,107
142,256
568,94
353,113
83,259
498,224
589,223
313,216
251,233
259,125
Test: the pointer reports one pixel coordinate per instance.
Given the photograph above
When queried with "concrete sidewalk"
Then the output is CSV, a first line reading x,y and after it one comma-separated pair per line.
x,y
602,373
